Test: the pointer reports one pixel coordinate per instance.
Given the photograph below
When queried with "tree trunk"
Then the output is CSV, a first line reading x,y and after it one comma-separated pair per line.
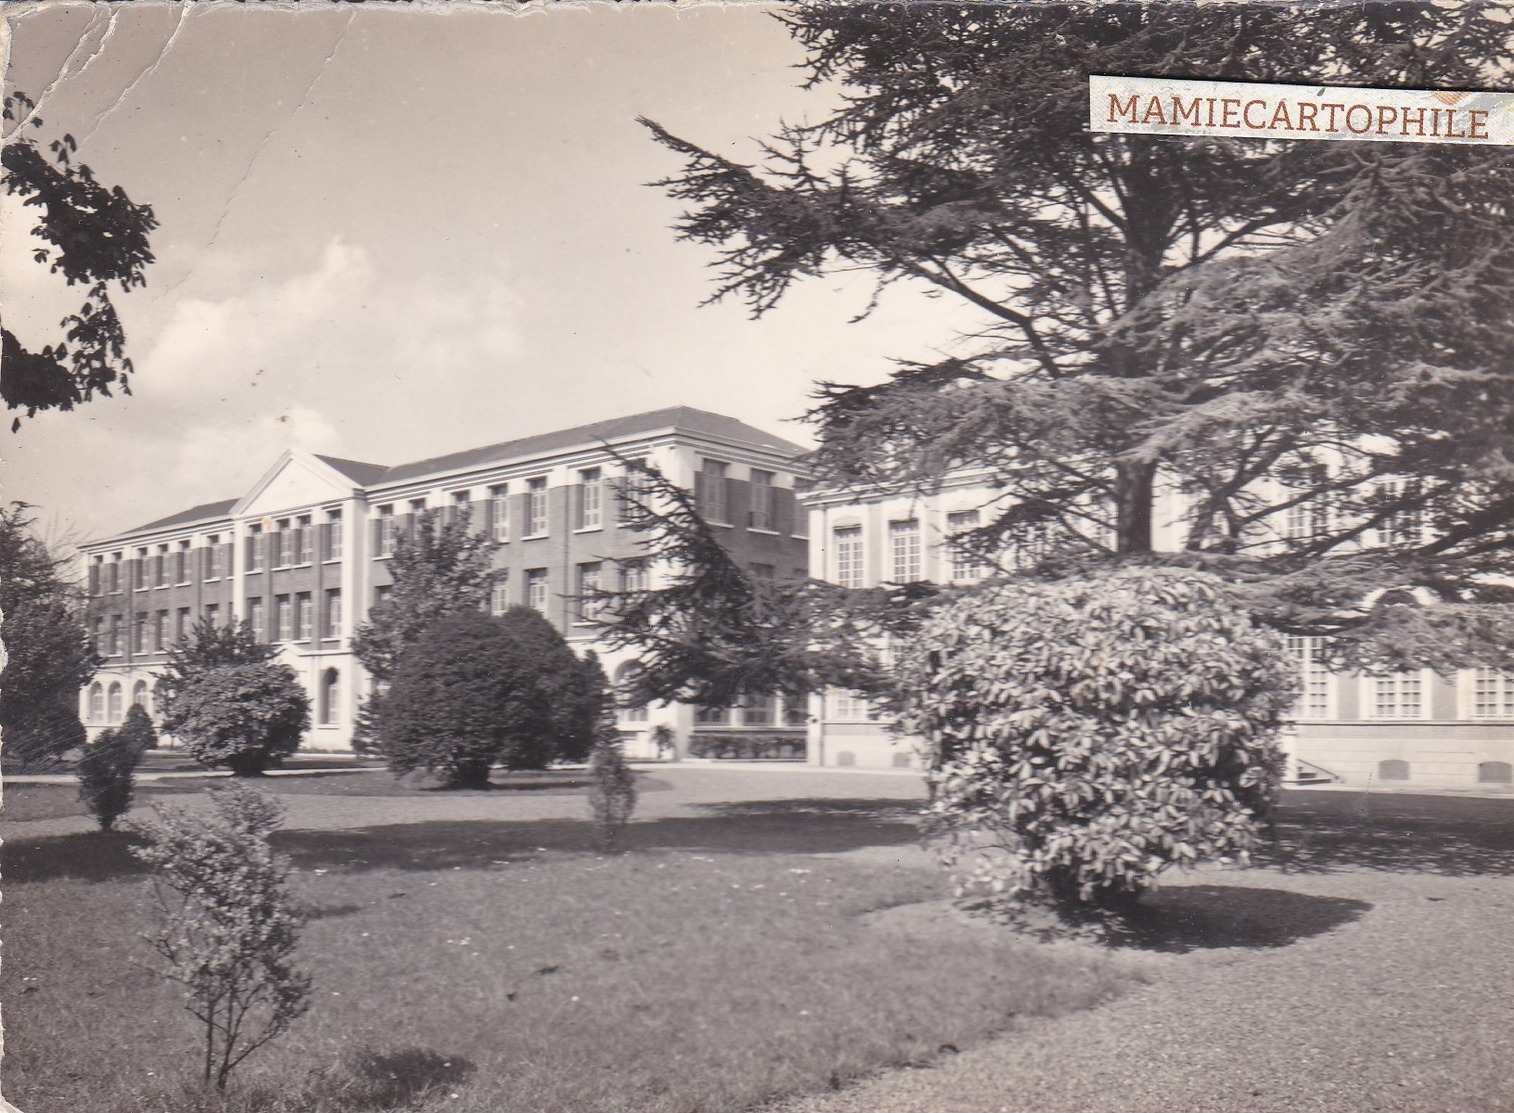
x,y
470,774
1135,486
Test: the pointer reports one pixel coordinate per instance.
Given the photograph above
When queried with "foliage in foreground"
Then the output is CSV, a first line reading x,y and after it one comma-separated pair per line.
x,y
106,773
230,703
1086,735
228,930
49,657
93,235
474,691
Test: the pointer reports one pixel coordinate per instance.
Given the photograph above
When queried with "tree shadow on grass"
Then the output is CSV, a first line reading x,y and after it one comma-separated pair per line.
x,y
1454,836
803,826
1192,917
401,1079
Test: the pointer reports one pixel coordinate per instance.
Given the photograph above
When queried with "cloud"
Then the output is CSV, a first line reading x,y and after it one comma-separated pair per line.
x,y
224,384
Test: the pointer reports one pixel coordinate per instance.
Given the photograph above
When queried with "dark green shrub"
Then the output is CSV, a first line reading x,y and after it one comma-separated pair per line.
x,y
612,798
475,691
1086,735
105,772
137,730
226,698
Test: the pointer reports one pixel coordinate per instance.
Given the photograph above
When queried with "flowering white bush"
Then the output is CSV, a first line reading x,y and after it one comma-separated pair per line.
x,y
228,930
1087,734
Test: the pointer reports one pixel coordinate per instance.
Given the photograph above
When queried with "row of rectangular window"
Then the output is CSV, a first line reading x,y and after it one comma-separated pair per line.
x,y
283,547
150,633
590,582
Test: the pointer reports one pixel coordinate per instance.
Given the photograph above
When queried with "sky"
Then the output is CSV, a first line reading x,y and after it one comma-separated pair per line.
x,y
392,232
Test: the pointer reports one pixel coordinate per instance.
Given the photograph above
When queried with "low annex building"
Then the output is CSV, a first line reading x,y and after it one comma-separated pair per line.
x,y
303,555
1405,729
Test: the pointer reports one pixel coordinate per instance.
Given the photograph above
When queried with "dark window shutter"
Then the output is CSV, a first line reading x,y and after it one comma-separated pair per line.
x,y
783,511
738,502
702,493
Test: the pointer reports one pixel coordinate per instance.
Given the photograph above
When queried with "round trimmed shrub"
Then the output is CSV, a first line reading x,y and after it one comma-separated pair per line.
x,y
1087,734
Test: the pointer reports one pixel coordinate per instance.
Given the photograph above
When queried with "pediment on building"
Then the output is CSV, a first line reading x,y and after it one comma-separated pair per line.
x,y
298,480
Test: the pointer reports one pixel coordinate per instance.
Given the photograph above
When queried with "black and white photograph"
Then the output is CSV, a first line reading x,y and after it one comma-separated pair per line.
x,y
757,558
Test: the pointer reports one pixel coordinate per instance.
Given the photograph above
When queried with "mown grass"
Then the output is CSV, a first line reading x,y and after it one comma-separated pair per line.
x,y
451,977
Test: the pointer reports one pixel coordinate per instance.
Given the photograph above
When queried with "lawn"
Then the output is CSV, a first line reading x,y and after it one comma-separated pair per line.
x,y
739,954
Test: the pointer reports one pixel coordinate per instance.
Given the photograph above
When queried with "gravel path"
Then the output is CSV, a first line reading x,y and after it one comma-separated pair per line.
x,y
1408,1007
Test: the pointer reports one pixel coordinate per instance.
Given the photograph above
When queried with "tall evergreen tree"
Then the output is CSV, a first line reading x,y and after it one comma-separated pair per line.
x,y
48,655
1265,328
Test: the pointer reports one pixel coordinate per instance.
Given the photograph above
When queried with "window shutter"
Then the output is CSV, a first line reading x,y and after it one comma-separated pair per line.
x,y
702,493
738,502
783,511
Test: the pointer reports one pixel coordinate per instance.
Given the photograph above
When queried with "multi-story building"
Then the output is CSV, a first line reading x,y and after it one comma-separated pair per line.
x,y
1413,728
304,554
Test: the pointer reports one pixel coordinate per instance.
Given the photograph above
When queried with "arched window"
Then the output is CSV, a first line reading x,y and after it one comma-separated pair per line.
x,y
1394,770
1495,773
96,703
139,696
331,691
114,710
623,676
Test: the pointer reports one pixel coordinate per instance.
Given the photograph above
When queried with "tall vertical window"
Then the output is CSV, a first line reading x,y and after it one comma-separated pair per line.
x,y
113,642
536,589
625,676
181,624
1492,695
302,616
113,574
634,576
499,512
213,613
460,506
709,491
332,627
331,688
386,531
115,710
160,567
302,539
212,557
589,605
96,574
255,619
333,535
284,616
904,551
96,703
255,548
139,694
278,546
142,575
1311,517
1403,526
1314,698
966,563
762,515
139,632
181,564
160,631
536,506
499,594
1398,696
590,499
97,635
634,489
848,550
